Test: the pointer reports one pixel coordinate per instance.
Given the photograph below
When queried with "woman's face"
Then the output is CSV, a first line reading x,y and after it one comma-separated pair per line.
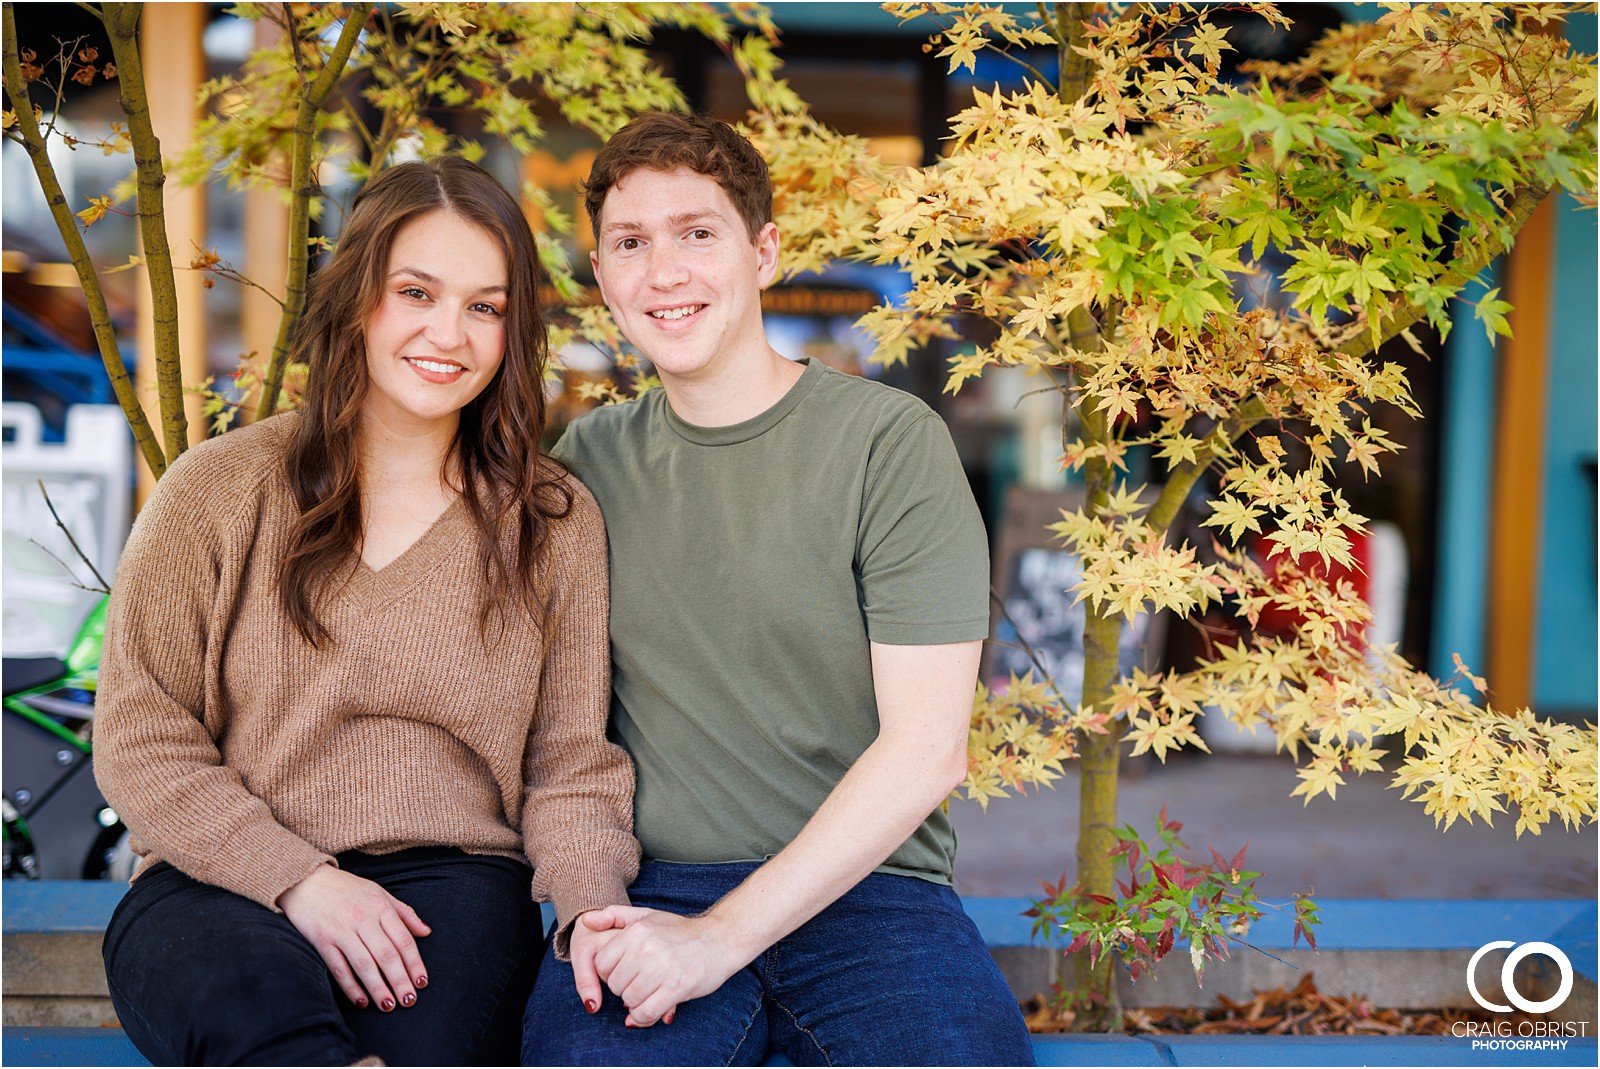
x,y
438,334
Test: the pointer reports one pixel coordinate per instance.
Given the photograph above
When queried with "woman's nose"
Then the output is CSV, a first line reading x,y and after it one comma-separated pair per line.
x,y
443,329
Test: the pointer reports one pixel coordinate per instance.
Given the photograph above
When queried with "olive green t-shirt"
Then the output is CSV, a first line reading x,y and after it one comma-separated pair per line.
x,y
750,565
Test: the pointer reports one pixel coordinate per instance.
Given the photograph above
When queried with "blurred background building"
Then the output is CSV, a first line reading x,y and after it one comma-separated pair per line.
x,y
1489,512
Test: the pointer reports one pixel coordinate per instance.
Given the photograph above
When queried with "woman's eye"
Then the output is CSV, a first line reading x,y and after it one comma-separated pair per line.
x,y
416,293
484,308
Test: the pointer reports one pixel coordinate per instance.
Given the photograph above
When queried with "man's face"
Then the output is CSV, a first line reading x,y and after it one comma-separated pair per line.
x,y
679,272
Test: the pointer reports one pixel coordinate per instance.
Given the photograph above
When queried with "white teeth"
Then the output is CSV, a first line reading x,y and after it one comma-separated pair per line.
x,y
678,313
442,369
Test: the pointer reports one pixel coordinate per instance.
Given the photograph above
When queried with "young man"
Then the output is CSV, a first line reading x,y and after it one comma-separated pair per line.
x,y
799,585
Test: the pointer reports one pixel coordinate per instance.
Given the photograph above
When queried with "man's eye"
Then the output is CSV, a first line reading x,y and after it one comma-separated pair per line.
x,y
700,234
628,244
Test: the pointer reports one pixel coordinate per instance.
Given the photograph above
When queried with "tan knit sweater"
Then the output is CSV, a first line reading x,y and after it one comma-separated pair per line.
x,y
245,757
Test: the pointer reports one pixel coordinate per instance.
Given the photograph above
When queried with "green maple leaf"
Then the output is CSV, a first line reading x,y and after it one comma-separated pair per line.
x,y
1491,312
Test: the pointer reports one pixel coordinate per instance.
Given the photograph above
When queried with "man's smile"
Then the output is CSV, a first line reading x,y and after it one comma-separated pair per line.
x,y
675,312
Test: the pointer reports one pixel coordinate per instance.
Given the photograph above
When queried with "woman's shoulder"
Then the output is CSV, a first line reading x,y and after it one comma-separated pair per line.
x,y
240,456
231,467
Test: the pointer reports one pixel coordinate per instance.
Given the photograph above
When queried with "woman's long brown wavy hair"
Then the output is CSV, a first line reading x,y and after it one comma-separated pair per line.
x,y
496,452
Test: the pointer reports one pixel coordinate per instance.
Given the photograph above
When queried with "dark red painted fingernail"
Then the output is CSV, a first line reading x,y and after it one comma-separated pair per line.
x,y
422,980
591,1005
386,1005
630,1024
667,1018
361,1002
408,999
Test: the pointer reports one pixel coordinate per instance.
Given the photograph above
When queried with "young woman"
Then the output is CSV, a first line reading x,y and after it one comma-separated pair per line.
x,y
356,676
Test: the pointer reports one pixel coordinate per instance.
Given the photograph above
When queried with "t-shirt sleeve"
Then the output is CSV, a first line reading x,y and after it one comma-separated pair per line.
x,y
567,445
921,546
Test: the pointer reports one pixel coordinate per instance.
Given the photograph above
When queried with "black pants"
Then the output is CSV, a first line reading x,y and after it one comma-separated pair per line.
x,y
202,976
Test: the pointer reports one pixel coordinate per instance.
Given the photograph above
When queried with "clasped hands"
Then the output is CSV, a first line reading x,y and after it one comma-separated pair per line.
x,y
650,959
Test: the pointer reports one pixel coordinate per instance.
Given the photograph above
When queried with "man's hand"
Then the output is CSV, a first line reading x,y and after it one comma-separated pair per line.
x,y
363,933
659,960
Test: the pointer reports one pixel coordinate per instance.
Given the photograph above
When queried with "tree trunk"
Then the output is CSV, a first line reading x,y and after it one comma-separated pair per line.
x,y
1093,986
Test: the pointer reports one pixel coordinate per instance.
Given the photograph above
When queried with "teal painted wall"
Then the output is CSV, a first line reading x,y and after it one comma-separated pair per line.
x,y
1565,664
1466,485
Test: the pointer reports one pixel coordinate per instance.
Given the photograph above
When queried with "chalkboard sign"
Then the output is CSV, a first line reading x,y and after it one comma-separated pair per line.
x,y
1034,577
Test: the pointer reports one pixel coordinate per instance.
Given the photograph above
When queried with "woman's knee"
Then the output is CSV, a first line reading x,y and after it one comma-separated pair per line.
x,y
201,976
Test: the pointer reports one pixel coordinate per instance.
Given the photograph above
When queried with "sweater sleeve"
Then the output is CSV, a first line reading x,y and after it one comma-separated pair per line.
x,y
578,806
156,753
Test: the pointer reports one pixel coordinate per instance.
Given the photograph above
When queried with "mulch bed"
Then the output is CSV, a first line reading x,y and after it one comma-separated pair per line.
x,y
1300,1011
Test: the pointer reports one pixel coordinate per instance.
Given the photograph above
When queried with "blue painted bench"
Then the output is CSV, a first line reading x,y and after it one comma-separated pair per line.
x,y
108,1046
1349,924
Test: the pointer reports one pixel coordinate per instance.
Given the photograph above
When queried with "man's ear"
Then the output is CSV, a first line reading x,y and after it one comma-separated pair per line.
x,y
594,265
766,255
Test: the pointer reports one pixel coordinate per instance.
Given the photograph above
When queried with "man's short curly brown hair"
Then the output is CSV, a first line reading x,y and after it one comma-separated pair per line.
x,y
662,141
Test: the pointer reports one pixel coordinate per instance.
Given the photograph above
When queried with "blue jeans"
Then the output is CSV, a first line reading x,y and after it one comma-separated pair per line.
x,y
893,973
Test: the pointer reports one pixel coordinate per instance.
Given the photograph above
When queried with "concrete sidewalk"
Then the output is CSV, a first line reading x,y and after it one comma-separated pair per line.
x,y
1367,843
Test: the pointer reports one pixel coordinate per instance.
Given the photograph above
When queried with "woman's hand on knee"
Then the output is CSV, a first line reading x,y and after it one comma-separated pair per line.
x,y
363,933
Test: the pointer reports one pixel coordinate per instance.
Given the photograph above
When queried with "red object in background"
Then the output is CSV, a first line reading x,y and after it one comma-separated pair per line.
x,y
1378,576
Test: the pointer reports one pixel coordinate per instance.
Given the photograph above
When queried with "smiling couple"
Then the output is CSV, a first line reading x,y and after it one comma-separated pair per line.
x,y
340,772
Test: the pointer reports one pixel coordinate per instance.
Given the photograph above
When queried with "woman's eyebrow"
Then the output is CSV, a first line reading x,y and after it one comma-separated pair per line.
x,y
434,280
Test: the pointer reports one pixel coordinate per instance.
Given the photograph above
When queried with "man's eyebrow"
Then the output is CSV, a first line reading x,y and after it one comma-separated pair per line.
x,y
434,281
681,219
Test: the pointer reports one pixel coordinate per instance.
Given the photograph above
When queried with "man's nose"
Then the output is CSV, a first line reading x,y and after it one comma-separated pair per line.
x,y
666,268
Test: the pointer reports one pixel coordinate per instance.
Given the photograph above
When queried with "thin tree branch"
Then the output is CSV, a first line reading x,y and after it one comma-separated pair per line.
x,y
1019,61
122,25
105,334
292,30
1033,656
47,551
312,97
105,587
1181,479
223,269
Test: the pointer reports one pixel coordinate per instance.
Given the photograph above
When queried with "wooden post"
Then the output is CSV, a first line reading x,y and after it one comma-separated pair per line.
x,y
170,42
266,255
1517,509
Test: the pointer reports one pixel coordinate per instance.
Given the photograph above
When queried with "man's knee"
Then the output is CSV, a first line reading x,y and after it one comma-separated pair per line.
x,y
727,1027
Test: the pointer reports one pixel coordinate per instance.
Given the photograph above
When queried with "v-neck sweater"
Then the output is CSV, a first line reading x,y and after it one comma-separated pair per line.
x,y
247,758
